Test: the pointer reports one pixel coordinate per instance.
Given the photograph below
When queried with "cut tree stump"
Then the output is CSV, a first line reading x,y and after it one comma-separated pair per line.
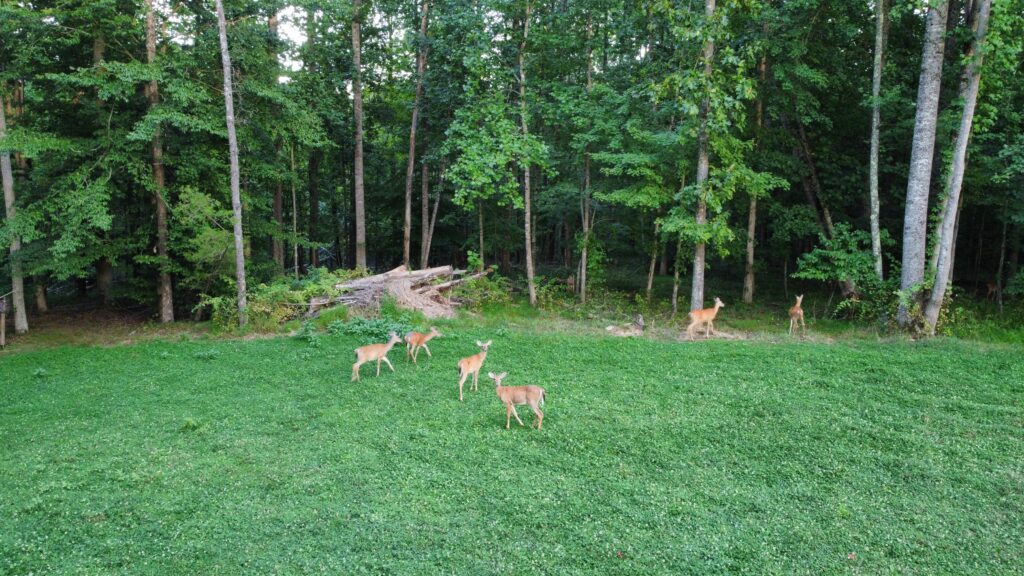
x,y
423,290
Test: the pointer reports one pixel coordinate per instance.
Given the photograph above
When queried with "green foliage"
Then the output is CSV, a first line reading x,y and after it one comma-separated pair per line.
x,y
490,290
847,257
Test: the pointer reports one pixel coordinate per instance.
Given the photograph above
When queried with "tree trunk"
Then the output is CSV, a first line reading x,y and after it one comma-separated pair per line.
x,y
675,276
424,214
104,279
17,280
41,305
295,215
526,165
654,260
357,111
585,208
881,28
748,277
165,288
421,63
812,185
1002,254
915,218
236,195
480,227
314,206
277,246
969,96
703,168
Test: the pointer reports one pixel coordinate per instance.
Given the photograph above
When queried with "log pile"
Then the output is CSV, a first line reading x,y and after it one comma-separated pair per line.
x,y
424,290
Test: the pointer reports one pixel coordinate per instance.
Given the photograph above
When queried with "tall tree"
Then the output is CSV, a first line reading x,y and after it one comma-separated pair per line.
x,y
748,276
881,27
17,280
421,63
357,111
703,165
969,96
586,212
528,220
164,288
236,194
915,218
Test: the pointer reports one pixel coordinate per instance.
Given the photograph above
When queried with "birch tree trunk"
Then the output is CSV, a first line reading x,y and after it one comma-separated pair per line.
x,y
236,195
17,280
881,27
357,111
915,218
703,168
421,63
969,96
528,225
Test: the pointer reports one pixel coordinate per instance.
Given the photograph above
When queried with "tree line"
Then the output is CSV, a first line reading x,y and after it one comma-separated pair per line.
x,y
185,147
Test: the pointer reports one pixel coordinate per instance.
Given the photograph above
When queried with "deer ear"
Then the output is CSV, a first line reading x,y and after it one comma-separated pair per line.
x,y
488,343
479,343
491,375
503,374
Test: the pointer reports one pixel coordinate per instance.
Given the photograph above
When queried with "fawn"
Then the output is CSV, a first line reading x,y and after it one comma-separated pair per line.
x,y
796,315
705,316
634,329
993,291
416,340
513,396
372,352
472,365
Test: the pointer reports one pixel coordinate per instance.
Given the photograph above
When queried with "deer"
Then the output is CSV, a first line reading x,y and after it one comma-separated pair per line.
x,y
472,365
796,314
993,291
634,329
705,316
371,352
512,396
416,340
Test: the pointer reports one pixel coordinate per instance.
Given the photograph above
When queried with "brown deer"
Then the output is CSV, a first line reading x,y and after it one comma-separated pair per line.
x,y
636,328
472,365
993,291
416,340
705,316
512,396
371,352
796,315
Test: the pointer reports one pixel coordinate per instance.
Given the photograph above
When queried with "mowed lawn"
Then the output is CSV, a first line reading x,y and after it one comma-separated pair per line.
x,y
260,457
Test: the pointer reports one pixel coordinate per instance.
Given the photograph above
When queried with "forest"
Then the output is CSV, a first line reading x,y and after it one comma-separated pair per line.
x,y
181,155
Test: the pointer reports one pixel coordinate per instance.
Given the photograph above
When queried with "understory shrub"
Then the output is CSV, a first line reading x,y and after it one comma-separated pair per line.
x,y
271,305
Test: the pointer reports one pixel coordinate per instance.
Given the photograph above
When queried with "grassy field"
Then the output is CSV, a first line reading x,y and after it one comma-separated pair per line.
x,y
259,456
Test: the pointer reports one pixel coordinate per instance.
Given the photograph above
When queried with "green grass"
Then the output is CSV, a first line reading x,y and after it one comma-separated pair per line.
x,y
259,456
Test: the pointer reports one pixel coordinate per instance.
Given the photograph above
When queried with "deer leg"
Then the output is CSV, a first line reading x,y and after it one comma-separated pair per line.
x,y
476,375
378,366
355,371
389,363
791,320
508,415
428,350
516,414
539,414
462,379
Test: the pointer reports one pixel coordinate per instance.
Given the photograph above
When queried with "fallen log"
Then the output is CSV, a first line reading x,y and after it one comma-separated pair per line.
x,y
414,289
